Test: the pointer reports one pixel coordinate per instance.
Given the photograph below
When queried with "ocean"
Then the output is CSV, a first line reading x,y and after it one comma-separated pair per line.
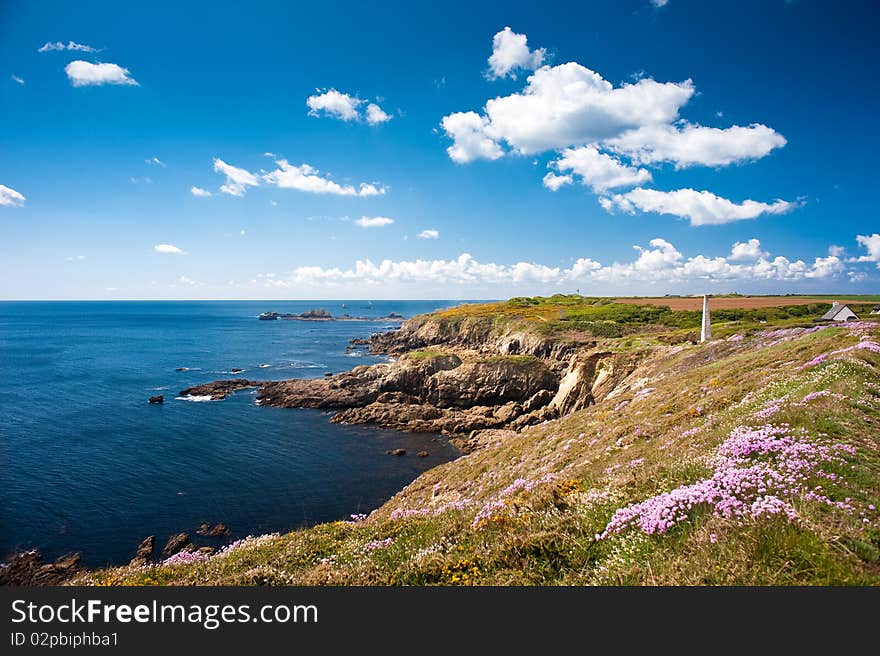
x,y
86,464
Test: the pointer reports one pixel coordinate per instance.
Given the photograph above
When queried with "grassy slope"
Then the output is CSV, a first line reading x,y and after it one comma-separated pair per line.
x,y
540,498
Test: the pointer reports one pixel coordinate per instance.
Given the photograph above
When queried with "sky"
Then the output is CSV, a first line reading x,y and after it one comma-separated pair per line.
x,y
276,150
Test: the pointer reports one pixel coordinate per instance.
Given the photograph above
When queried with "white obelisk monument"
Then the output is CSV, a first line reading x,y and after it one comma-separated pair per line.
x,y
706,331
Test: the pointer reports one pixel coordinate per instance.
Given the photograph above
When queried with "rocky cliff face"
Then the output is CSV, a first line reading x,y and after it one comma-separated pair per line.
x,y
456,377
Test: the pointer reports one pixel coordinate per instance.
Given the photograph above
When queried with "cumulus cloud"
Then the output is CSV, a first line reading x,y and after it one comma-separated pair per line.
x,y
871,243
345,107
510,52
747,250
50,46
836,250
692,145
17,79
373,221
603,133
237,179
429,233
700,207
307,178
570,104
83,74
168,249
658,262
555,182
10,197
335,104
199,192
599,171
376,114
469,137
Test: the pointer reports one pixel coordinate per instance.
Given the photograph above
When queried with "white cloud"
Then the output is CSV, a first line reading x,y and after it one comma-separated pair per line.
x,y
10,197
17,79
568,105
345,107
871,243
373,221
156,161
199,192
659,263
554,182
470,141
747,250
692,145
83,74
168,249
376,114
189,282
76,258
700,207
334,104
429,233
308,178
50,46
510,51
237,179
597,170
603,133
857,276
836,250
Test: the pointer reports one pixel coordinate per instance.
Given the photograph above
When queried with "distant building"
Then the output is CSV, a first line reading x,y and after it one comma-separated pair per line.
x,y
839,312
876,310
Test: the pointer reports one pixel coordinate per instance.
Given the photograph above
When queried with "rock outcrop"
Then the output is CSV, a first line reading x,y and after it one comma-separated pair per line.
x,y
29,568
176,543
456,377
144,551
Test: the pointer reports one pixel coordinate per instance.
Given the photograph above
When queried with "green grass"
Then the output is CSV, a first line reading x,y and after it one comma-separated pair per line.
x,y
619,451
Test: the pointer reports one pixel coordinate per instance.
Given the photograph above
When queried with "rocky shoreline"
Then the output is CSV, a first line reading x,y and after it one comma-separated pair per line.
x,y
463,379
454,378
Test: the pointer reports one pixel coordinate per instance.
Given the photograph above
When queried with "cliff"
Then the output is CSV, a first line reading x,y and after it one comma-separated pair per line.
x,y
753,459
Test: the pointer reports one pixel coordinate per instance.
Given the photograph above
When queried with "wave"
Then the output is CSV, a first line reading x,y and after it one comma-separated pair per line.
x,y
305,364
265,366
195,398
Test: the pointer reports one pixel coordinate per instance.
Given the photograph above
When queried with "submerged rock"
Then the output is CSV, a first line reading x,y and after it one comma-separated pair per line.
x,y
217,530
159,398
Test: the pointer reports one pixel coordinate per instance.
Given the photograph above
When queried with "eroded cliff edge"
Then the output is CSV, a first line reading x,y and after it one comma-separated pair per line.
x,y
456,378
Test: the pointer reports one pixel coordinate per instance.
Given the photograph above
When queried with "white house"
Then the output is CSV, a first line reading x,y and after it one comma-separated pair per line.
x,y
876,310
839,312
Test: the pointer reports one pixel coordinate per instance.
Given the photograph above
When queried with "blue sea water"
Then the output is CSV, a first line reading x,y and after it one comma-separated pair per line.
x,y
87,464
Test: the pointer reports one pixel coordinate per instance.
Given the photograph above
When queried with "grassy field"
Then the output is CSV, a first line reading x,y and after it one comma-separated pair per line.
x,y
672,318
749,460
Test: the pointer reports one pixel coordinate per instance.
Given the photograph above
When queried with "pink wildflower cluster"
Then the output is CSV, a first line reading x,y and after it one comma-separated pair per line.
x,y
406,513
812,396
736,338
770,408
865,344
375,545
758,471
690,432
186,557
501,505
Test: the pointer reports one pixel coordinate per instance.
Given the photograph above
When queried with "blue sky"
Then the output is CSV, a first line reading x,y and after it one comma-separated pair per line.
x,y
614,147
